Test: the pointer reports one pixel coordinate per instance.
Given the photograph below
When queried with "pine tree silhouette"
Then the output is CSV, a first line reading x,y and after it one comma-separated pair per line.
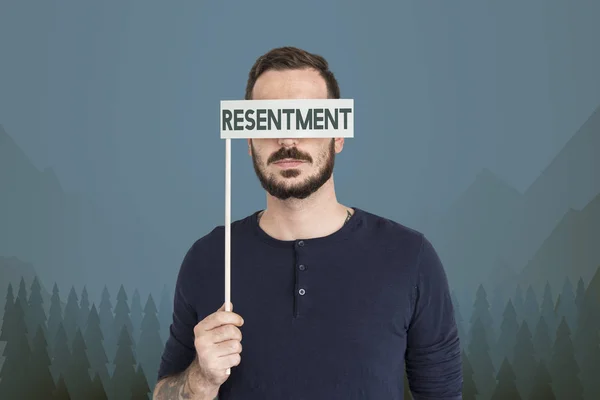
x,y
524,360
590,368
84,309
98,392
583,334
150,346
61,392
579,292
519,304
506,388
105,312
95,348
55,318
8,306
508,335
136,316
567,307
532,308
588,339
122,313
124,372
122,319
165,313
139,386
481,361
563,366
497,306
541,340
481,310
579,295
459,318
41,381
78,379
14,375
22,296
36,316
61,354
547,310
542,384
71,316
469,388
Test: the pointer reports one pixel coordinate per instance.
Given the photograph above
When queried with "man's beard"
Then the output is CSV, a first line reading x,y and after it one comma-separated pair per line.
x,y
300,190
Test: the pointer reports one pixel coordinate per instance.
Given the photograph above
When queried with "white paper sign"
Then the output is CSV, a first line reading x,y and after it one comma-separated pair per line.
x,y
288,118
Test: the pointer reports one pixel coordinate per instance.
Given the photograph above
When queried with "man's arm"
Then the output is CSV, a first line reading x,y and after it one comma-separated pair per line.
x,y
185,385
178,374
433,354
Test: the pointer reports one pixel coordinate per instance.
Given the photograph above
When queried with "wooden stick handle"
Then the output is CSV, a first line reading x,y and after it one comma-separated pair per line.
x,y
228,228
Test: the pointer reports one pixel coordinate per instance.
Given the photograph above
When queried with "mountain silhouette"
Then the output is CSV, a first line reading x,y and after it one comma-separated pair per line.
x,y
572,250
474,229
492,221
570,181
70,238
40,224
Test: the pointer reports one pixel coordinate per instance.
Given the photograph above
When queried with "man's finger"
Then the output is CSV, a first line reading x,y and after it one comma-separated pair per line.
x,y
219,318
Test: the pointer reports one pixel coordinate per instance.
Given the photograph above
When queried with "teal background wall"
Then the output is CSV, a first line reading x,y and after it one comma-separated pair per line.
x,y
477,123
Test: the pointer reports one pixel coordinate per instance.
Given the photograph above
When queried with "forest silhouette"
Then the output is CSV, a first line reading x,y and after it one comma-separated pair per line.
x,y
539,348
78,351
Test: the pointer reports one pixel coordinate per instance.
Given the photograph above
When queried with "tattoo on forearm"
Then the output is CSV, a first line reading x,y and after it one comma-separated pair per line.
x,y
175,387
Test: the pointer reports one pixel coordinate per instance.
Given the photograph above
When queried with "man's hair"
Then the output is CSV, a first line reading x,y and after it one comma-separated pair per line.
x,y
285,58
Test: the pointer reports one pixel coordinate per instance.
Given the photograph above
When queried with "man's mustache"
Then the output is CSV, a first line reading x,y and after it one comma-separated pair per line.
x,y
291,153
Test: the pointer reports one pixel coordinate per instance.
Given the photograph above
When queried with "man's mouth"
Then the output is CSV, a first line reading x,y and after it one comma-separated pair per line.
x,y
288,163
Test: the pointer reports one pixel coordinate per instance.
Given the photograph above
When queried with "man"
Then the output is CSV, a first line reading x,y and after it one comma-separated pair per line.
x,y
330,300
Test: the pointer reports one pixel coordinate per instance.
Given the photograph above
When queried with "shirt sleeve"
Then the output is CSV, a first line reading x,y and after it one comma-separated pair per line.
x,y
179,349
433,355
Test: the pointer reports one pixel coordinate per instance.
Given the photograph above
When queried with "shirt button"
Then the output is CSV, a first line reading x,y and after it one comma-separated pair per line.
x,y
301,243
301,291
302,267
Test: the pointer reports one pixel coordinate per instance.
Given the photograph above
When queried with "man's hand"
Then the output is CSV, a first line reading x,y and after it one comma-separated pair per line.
x,y
218,347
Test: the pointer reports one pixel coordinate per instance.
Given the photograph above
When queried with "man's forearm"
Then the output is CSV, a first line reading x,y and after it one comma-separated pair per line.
x,y
184,385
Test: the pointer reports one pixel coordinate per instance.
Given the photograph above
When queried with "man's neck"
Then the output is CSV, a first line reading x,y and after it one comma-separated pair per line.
x,y
317,216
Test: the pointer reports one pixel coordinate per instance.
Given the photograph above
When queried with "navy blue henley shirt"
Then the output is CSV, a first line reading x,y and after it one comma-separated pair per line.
x,y
335,317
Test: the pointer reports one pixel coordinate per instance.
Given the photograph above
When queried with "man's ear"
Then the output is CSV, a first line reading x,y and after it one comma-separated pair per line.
x,y
339,144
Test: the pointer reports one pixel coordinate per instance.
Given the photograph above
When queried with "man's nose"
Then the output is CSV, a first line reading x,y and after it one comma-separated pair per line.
x,y
288,142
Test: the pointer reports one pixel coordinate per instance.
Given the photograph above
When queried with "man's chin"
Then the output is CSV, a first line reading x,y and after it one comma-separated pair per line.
x,y
289,181
287,188
288,191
